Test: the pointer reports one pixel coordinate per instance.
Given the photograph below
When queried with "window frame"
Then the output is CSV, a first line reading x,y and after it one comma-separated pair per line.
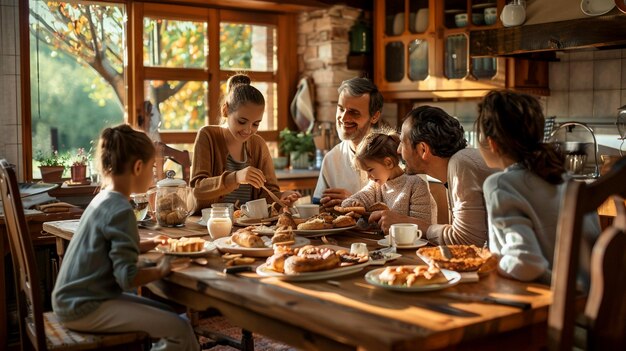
x,y
285,77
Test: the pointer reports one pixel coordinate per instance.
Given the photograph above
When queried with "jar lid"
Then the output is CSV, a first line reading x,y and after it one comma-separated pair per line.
x,y
170,181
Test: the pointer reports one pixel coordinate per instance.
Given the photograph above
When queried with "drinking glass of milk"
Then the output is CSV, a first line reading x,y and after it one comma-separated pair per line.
x,y
219,224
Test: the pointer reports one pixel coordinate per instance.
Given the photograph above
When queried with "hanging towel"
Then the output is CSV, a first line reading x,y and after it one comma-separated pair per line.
x,y
302,105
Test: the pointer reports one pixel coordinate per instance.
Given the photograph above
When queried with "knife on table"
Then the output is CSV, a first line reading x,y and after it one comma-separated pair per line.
x,y
487,299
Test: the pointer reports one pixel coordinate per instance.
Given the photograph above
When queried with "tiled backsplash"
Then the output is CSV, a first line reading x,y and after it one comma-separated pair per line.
x,y
10,121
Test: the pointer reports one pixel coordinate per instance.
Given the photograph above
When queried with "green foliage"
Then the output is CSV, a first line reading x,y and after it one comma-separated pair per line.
x,y
296,142
53,158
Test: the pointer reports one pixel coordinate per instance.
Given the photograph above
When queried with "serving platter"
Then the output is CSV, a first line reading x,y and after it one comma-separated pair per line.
x,y
453,279
244,222
321,232
226,245
264,271
208,247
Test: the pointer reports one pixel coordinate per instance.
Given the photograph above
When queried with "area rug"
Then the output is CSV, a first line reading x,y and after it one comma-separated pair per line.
x,y
221,325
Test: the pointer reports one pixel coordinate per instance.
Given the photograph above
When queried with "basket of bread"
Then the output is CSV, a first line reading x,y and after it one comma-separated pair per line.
x,y
460,258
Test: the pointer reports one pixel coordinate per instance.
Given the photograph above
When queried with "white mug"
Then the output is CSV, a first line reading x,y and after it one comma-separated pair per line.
x,y
255,208
307,210
404,233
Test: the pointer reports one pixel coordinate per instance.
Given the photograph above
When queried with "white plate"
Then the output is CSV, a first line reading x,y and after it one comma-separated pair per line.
x,y
208,247
227,246
417,243
596,7
388,257
264,271
245,222
321,232
453,279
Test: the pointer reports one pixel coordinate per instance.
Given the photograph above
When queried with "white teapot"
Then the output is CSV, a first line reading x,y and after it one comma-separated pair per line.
x,y
514,13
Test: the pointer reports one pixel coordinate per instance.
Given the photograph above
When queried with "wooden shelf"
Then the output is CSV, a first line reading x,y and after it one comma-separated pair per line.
x,y
602,31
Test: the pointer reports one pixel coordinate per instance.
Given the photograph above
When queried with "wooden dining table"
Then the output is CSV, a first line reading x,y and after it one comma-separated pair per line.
x,y
346,312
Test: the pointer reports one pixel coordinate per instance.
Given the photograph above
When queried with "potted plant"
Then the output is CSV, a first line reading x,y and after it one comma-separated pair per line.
x,y
298,145
51,166
79,166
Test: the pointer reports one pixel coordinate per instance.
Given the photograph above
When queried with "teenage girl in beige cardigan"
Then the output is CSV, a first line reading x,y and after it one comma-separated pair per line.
x,y
231,162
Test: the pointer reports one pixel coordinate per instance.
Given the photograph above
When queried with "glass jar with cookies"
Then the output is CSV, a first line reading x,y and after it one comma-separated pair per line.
x,y
171,201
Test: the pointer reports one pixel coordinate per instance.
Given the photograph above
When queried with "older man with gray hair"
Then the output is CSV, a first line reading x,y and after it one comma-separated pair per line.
x,y
358,111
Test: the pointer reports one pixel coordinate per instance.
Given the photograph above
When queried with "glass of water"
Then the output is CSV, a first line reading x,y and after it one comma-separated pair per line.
x,y
139,202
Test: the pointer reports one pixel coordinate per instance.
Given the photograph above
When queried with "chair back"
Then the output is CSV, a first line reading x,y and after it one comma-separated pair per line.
x,y
165,152
605,308
29,299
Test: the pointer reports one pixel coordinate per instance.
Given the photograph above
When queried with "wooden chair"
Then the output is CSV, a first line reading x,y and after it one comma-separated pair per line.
x,y
605,309
165,152
43,330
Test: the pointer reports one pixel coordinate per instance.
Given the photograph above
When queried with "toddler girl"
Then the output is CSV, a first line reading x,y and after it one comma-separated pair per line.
x,y
407,196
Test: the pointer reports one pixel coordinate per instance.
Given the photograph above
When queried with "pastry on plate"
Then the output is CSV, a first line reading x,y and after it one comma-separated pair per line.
x,y
246,238
464,257
344,221
185,244
283,235
412,275
312,224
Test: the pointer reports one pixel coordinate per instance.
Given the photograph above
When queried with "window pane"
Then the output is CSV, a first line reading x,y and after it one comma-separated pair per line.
x,y
170,43
72,97
247,47
182,104
268,89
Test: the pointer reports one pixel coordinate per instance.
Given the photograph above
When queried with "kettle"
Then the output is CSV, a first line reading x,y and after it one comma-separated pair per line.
x,y
171,201
514,13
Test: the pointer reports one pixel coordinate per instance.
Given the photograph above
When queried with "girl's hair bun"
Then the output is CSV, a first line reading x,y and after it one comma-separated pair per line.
x,y
238,79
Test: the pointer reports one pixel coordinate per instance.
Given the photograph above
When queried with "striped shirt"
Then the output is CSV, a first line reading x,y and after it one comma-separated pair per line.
x,y
244,192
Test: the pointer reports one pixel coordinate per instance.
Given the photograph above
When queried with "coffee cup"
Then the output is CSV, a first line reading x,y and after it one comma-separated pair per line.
x,y
404,233
307,210
255,208
491,15
231,208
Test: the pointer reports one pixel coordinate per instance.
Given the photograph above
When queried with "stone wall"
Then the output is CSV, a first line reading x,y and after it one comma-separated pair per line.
x,y
323,48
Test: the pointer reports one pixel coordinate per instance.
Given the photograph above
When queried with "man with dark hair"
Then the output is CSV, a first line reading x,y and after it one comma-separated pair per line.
x,y
432,142
358,111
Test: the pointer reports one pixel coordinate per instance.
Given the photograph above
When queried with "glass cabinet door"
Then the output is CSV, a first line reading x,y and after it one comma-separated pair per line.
x,y
394,17
394,61
484,67
418,16
418,59
456,51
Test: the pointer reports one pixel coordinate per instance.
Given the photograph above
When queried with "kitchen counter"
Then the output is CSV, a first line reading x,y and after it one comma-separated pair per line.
x,y
301,180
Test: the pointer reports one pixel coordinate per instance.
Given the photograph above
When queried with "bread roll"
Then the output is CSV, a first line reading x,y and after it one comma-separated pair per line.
x,y
311,259
379,206
283,234
313,224
357,209
344,221
247,239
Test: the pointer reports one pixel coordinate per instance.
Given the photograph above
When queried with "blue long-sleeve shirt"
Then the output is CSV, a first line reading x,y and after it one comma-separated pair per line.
x,y
101,259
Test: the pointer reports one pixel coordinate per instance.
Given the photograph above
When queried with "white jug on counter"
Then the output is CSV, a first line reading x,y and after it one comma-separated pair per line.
x,y
514,13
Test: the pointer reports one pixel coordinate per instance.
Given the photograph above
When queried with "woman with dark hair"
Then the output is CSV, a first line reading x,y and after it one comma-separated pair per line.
x,y
522,200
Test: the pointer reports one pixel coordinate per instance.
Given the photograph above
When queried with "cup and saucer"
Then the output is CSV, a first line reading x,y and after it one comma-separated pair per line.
x,y
405,236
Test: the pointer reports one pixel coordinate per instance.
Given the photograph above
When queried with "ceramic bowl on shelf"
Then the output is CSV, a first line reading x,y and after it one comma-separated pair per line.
x,y
421,20
460,20
491,15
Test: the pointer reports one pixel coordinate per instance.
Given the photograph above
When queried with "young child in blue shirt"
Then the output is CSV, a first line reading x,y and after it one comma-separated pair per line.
x,y
101,260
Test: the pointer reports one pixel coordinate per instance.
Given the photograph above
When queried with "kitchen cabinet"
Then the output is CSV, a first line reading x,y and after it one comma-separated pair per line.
x,y
422,49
